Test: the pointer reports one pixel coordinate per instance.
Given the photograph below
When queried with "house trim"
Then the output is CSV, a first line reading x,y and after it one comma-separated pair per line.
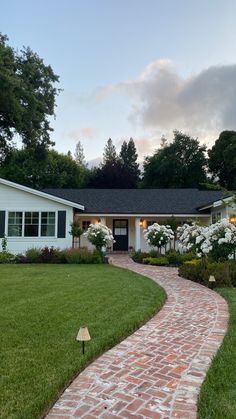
x,y
41,194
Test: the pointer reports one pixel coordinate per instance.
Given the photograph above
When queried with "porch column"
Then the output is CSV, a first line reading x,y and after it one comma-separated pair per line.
x,y
137,234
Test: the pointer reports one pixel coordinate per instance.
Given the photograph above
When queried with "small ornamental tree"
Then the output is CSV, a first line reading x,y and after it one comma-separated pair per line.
x,y
99,235
218,241
76,230
187,235
158,235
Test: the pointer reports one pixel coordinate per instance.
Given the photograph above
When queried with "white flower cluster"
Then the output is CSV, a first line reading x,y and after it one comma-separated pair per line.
x,y
99,235
158,235
187,235
218,239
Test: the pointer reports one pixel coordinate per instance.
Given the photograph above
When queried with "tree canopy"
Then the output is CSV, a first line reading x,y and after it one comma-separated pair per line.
x,y
222,159
180,164
27,98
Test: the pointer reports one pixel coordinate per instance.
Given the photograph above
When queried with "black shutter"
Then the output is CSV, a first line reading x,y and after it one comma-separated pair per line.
x,y
2,223
61,224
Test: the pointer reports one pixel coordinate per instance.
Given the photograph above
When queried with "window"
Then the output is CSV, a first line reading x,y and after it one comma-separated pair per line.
x,y
15,224
48,224
216,216
31,224
85,225
120,228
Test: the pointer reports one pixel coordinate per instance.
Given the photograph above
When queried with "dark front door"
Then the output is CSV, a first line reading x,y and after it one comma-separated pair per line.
x,y
120,233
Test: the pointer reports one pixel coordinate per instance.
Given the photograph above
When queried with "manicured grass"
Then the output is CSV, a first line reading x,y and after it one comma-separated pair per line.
x,y
41,310
218,393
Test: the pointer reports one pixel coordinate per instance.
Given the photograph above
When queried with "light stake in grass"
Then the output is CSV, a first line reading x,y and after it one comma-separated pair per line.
x,y
212,281
83,336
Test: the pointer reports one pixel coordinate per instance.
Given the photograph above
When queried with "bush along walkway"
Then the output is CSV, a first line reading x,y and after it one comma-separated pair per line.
x,y
156,372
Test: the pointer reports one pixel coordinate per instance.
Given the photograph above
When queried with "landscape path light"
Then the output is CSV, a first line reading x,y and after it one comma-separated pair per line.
x,y
83,336
212,281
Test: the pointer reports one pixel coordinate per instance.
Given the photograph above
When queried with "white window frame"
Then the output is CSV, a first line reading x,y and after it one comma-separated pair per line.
x,y
23,225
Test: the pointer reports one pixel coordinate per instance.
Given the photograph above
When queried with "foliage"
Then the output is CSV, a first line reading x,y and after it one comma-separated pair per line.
x,y
79,154
109,155
6,257
222,159
27,98
49,255
129,156
76,230
180,164
187,235
99,235
4,243
33,255
158,235
218,241
82,256
224,272
48,170
218,393
161,261
176,258
138,256
41,310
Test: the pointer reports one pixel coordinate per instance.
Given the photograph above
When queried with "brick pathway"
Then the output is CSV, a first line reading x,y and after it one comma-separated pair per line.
x,y
156,372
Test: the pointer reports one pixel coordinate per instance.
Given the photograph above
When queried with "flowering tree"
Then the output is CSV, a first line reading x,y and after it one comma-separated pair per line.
x,y
187,235
99,235
217,240
158,235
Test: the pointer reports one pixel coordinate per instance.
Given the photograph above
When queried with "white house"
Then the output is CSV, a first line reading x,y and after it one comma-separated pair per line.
x,y
32,218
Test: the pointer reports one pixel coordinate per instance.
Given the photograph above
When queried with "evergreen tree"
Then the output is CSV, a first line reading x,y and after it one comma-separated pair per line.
x,y
79,154
109,154
129,156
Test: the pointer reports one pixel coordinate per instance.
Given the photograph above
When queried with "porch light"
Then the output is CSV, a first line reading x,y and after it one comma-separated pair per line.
x,y
141,222
212,281
83,336
99,220
232,219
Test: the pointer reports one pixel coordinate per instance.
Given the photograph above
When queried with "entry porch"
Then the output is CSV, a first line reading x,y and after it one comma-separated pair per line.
x,y
128,230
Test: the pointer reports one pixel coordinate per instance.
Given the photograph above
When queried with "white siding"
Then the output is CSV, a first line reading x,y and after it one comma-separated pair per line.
x,y
12,199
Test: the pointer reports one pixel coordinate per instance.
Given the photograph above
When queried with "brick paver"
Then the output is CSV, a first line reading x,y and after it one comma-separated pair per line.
x,y
156,372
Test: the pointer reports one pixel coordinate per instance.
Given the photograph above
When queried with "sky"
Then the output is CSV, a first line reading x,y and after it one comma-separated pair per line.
x,y
132,68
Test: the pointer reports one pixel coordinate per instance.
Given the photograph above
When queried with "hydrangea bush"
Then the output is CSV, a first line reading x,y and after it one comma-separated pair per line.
x,y
187,235
158,235
217,240
99,235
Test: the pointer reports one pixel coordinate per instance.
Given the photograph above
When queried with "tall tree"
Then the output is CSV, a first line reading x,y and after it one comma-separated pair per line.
x,y
54,171
222,159
27,98
180,164
109,154
129,156
79,154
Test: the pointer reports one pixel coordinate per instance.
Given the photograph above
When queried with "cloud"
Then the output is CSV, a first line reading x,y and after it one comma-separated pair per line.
x,y
163,100
82,133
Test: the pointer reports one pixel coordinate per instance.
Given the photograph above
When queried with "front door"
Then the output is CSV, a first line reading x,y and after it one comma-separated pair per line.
x,y
120,233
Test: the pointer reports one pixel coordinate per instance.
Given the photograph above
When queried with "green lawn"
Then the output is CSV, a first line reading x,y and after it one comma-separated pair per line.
x,y
41,309
218,393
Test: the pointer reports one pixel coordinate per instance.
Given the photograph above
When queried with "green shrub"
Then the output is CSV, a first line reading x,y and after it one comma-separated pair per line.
x,y
75,256
161,261
154,253
224,272
33,255
6,257
49,255
138,256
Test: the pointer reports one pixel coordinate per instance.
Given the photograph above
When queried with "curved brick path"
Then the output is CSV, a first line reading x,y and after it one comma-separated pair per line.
x,y
156,372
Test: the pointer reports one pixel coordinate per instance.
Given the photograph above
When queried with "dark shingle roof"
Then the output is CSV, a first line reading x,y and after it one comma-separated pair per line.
x,y
138,201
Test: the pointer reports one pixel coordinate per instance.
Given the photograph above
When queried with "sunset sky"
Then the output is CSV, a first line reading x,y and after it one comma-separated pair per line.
x,y
132,68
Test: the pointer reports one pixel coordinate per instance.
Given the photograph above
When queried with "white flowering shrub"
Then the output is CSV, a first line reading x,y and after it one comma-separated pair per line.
x,y
158,235
187,237
217,240
99,235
